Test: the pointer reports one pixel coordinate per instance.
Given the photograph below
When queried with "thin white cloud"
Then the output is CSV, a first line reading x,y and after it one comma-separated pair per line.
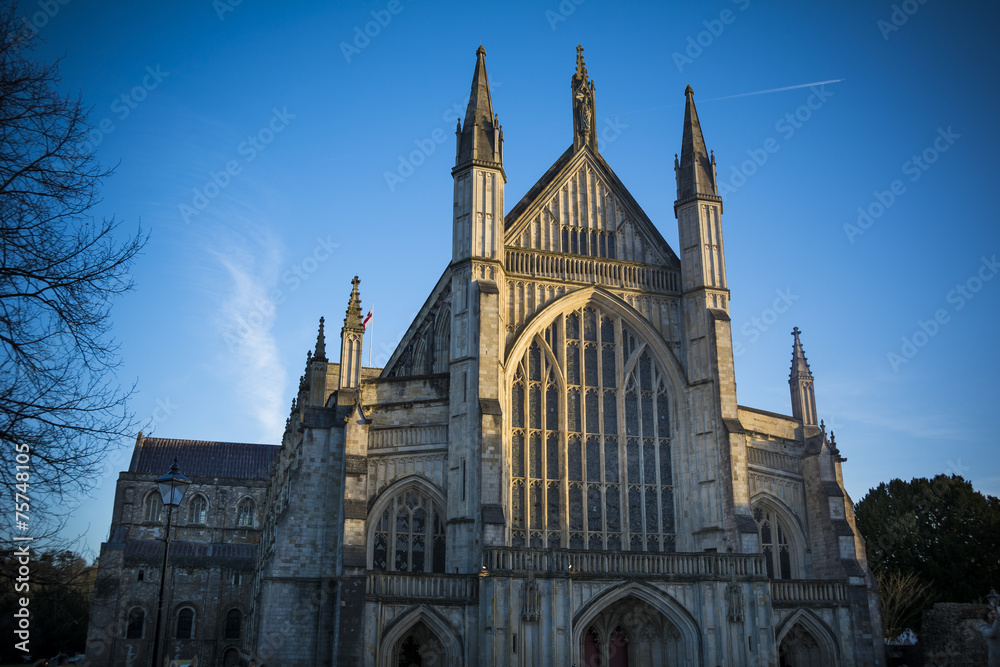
x,y
250,256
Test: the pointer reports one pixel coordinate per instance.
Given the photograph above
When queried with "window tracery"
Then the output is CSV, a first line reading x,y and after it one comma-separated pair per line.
x,y
152,507
773,543
198,510
590,439
409,536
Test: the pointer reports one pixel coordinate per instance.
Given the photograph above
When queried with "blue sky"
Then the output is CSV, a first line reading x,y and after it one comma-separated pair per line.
x,y
253,141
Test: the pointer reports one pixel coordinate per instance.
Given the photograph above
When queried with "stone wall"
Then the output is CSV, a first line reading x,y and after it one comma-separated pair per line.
x,y
950,635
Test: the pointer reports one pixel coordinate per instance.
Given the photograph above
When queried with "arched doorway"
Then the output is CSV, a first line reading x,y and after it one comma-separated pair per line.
x,y
419,647
631,633
803,646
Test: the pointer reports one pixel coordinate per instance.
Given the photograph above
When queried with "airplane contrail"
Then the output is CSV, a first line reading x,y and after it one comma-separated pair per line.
x,y
729,97
774,90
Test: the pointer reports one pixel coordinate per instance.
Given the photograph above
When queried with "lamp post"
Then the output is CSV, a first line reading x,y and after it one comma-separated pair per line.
x,y
172,487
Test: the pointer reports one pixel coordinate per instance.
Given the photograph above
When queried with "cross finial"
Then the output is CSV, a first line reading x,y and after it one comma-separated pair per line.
x,y
796,332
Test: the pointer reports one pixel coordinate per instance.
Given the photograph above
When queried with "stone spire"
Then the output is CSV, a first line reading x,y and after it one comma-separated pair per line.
x,y
800,382
480,138
696,169
353,319
584,132
320,353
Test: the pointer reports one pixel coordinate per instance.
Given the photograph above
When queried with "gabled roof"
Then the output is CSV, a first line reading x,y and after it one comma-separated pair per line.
x,y
558,174
442,287
200,458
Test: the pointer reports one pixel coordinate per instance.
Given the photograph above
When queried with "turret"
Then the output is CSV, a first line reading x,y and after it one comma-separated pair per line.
x,y
479,176
699,213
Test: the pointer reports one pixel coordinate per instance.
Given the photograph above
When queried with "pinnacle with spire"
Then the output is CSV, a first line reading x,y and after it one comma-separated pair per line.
x,y
353,320
320,353
800,382
696,169
800,367
480,137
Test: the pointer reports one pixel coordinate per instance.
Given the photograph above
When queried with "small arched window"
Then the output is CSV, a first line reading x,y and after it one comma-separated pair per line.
x,y
198,510
185,623
136,623
152,507
234,624
246,514
774,543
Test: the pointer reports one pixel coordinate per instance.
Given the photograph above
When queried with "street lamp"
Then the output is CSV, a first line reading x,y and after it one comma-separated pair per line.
x,y
172,487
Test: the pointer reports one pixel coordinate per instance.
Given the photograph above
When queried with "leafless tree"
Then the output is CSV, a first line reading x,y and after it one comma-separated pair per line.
x,y
903,597
61,405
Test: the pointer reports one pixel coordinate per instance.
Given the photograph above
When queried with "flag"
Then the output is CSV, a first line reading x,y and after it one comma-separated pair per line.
x,y
368,317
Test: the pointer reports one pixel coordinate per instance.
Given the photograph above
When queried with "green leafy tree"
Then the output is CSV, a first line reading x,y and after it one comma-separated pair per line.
x,y
939,530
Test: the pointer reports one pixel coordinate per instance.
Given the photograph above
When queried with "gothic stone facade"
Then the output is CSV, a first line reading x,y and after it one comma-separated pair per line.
x,y
552,468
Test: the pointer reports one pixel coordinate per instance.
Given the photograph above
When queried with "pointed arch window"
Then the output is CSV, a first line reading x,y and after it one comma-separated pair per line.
x,y
246,513
409,535
774,543
590,442
152,507
198,510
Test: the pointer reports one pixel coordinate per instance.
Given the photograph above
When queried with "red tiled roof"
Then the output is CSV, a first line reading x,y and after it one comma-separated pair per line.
x,y
199,458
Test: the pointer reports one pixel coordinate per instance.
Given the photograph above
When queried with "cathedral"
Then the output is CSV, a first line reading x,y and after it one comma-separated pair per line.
x,y
552,468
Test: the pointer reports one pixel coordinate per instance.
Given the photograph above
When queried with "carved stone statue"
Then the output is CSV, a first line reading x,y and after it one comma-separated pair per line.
x,y
991,630
583,97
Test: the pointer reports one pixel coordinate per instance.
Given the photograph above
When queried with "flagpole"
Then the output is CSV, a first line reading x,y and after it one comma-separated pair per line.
x,y
371,341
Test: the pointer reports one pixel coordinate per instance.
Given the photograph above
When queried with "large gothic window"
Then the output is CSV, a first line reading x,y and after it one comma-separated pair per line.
x,y
773,543
409,536
590,440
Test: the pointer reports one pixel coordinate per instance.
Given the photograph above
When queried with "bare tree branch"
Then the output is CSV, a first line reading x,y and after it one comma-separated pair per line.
x,y
60,270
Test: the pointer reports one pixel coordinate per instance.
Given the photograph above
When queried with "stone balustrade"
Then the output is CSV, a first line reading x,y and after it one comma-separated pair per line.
x,y
592,271
505,559
422,585
803,591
